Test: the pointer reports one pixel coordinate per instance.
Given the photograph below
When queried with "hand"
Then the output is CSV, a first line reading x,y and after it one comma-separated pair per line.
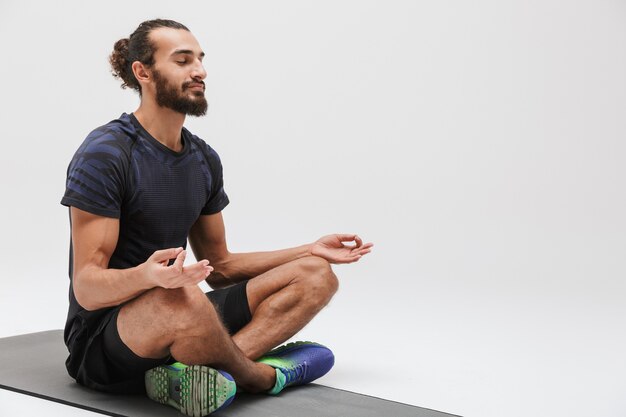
x,y
332,249
157,270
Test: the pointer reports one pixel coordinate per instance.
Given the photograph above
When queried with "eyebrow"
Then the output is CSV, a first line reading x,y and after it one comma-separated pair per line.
x,y
186,52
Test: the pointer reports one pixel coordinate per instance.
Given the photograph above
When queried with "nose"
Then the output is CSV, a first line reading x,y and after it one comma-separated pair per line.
x,y
198,71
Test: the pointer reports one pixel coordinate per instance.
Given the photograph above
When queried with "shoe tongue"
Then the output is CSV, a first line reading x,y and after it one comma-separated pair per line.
x,y
281,379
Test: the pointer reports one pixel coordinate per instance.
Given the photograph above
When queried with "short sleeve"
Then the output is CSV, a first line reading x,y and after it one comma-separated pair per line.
x,y
218,199
95,176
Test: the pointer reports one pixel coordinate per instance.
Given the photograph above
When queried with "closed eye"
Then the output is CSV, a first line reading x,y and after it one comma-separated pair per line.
x,y
185,55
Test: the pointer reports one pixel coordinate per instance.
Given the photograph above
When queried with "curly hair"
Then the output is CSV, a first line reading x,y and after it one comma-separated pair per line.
x,y
137,47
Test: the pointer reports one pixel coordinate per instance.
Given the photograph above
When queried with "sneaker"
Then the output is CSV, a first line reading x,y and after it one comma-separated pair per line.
x,y
193,390
298,363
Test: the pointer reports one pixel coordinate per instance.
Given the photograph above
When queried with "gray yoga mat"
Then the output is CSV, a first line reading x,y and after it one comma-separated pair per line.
x,y
33,364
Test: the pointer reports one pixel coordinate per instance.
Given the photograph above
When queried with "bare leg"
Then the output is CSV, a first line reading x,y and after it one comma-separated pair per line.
x,y
182,322
282,301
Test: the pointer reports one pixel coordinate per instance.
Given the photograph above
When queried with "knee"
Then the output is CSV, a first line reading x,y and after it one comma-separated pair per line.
x,y
322,283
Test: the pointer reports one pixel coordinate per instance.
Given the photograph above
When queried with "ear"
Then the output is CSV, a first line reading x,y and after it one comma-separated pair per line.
x,y
142,74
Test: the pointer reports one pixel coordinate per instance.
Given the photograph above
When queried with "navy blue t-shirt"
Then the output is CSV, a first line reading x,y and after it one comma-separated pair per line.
x,y
121,171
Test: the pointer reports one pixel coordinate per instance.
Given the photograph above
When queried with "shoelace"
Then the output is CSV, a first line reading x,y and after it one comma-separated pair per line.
x,y
297,373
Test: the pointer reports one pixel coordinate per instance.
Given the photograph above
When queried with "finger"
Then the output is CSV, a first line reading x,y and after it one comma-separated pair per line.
x,y
201,268
346,237
355,256
206,272
358,241
198,265
180,261
166,254
349,259
361,250
196,273
203,263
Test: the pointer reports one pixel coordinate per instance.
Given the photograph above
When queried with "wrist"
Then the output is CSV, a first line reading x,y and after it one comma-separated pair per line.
x,y
309,249
146,280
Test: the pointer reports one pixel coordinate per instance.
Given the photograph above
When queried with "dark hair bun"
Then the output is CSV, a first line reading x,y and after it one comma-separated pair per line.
x,y
120,65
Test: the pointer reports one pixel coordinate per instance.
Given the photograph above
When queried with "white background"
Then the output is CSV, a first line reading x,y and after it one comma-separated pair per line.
x,y
479,145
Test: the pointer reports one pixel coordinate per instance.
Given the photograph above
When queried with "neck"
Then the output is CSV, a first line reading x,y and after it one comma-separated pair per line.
x,y
164,124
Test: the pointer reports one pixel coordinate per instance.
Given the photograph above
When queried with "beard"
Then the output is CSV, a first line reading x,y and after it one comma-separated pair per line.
x,y
169,96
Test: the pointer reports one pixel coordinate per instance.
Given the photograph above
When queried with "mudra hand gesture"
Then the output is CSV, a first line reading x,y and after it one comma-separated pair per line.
x,y
332,248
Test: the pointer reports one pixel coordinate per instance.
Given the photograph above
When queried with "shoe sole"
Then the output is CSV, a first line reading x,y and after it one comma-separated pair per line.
x,y
201,390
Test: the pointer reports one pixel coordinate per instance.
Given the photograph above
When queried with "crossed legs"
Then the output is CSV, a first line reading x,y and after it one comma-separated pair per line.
x,y
184,324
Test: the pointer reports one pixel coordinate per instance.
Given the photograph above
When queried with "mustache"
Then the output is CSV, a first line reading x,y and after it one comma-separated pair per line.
x,y
188,84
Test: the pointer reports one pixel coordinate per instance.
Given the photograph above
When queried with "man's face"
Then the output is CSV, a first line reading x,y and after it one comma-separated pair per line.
x,y
178,72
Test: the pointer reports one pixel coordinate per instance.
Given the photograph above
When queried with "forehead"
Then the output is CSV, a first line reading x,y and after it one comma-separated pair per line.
x,y
167,41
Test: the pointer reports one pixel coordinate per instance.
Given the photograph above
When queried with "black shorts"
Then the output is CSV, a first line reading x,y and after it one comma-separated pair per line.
x,y
100,360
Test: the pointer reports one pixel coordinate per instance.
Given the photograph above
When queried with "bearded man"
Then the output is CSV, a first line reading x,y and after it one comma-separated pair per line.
x,y
138,189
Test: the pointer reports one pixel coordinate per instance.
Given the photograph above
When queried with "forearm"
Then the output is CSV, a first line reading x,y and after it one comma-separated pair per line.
x,y
236,267
96,287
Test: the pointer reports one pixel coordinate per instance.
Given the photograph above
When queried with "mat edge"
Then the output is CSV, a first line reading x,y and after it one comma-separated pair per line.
x,y
391,401
60,401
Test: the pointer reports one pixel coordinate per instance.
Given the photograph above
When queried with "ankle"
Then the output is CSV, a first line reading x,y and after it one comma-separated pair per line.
x,y
265,379
268,379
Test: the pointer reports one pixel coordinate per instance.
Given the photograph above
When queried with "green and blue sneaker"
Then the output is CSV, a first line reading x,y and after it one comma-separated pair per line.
x,y
195,390
298,363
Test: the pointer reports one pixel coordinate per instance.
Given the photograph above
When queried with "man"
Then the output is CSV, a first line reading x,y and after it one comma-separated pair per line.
x,y
138,188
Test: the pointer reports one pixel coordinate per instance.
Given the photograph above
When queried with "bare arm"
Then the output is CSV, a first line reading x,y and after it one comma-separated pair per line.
x,y
94,239
208,241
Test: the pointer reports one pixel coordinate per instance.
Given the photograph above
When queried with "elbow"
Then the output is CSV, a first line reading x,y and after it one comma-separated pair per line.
x,y
217,281
220,266
221,275
82,295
